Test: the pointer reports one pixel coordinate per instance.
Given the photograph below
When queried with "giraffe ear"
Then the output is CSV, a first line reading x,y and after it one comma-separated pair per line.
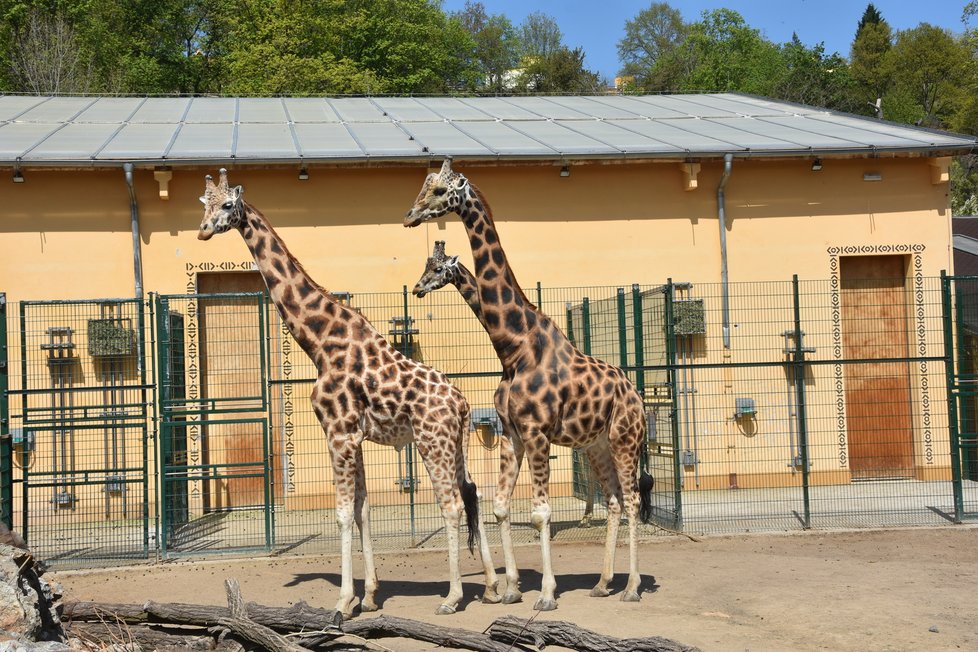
x,y
460,181
236,193
452,261
203,200
446,166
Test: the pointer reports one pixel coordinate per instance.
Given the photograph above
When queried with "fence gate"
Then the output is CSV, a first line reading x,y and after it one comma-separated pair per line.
x,y
215,458
961,342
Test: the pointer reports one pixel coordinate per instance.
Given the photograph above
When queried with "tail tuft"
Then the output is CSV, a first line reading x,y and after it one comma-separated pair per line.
x,y
645,484
470,500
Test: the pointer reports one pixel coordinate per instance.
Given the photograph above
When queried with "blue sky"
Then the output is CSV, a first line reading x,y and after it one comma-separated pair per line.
x,y
598,25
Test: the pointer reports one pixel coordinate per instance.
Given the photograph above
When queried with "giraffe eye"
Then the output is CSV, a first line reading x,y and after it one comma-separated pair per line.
x,y
228,205
439,269
440,190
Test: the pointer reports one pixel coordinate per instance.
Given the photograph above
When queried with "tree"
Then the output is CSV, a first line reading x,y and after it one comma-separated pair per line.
x,y
812,77
650,37
562,71
874,38
496,50
46,56
539,36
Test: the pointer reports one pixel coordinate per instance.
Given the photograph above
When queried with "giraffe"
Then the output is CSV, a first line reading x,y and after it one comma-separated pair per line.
x,y
366,390
550,393
441,270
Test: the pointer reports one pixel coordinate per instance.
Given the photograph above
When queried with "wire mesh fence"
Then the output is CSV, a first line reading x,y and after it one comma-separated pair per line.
x,y
181,425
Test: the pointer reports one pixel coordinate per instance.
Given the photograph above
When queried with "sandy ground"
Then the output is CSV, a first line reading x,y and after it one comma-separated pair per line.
x,y
867,590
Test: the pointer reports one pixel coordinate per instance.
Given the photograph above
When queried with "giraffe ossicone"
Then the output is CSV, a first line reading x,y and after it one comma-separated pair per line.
x,y
550,392
366,390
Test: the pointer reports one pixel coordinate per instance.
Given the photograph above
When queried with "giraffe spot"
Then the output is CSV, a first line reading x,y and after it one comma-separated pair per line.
x,y
478,205
315,324
489,295
475,242
330,308
258,225
277,264
608,387
304,289
482,260
535,382
344,401
498,257
271,282
276,247
316,303
514,321
507,293
260,248
480,227
293,268
549,398
246,233
410,395
540,344
490,275
490,237
492,318
531,318
288,301
338,330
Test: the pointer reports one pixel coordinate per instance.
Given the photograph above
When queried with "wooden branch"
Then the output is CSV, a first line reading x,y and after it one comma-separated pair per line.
x,y
391,626
513,630
147,637
243,627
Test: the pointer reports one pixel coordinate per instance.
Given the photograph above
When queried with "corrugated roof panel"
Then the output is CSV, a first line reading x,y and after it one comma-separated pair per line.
x,y
256,140
207,141
162,109
13,105
110,109
357,109
18,137
406,109
384,139
692,106
757,106
639,107
57,109
212,110
592,108
561,139
503,139
880,134
545,107
498,108
734,131
326,140
139,141
261,109
442,138
453,108
680,139
76,141
310,109
809,133
616,134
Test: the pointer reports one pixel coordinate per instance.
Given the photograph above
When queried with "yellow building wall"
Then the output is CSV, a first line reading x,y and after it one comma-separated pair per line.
x,y
66,235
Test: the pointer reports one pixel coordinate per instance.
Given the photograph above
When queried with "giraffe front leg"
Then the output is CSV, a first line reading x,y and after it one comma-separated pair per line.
x,y
443,476
538,458
510,459
631,497
343,450
362,516
603,467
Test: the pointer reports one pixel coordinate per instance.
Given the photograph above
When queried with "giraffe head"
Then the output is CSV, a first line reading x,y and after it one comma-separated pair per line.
x,y
223,208
439,271
443,192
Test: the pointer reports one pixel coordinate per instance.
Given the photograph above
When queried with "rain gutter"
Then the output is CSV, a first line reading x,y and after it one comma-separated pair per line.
x,y
137,257
722,220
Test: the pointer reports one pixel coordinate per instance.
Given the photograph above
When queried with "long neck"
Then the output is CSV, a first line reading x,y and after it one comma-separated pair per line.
x,y
309,311
507,315
468,287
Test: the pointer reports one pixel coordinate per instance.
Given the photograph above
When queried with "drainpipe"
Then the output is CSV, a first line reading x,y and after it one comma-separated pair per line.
x,y
722,218
137,258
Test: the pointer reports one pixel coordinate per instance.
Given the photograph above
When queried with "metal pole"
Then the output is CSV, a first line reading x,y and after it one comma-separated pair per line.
x,y
639,339
586,318
409,449
947,283
678,464
622,338
802,413
6,444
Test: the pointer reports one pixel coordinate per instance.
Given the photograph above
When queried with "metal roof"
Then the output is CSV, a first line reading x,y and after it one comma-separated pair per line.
x,y
106,131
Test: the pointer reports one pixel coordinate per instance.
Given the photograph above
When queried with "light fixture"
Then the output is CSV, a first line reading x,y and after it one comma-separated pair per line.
x,y
303,174
18,177
565,171
816,165
872,176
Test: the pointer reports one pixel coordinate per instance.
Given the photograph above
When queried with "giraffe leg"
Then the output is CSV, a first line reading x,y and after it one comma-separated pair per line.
x,y
627,463
538,457
343,450
510,459
602,466
361,514
589,501
442,475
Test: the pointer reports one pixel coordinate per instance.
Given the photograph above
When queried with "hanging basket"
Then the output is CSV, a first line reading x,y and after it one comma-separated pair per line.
x,y
689,317
110,338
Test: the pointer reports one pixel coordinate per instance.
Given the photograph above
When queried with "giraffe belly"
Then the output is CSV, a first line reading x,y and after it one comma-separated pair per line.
x,y
383,429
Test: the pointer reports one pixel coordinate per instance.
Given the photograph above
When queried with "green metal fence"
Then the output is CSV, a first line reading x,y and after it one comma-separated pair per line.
x,y
181,425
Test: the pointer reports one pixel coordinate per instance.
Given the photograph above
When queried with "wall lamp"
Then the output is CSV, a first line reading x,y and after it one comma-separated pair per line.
x,y
872,176
565,171
18,176
303,174
816,165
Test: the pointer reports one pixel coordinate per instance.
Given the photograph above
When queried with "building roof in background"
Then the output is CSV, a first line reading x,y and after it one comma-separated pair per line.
x,y
108,131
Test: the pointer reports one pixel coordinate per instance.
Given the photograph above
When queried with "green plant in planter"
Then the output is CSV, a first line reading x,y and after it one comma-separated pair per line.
x,y
689,317
110,337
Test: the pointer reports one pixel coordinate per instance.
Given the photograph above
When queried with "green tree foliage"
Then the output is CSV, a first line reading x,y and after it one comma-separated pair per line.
x,y
496,45
546,64
873,41
809,76
650,37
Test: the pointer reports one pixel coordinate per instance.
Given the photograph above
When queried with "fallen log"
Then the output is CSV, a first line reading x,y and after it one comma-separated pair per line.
x,y
540,633
392,626
241,626
147,637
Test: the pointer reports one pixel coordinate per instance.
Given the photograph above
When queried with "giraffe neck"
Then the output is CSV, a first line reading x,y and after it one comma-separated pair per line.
x,y
308,311
468,287
507,315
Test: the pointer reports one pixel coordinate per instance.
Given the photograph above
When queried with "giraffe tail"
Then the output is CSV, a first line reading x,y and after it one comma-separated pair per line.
x,y
645,484
470,500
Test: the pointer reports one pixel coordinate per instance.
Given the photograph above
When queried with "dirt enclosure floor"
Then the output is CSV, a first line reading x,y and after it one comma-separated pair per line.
x,y
900,590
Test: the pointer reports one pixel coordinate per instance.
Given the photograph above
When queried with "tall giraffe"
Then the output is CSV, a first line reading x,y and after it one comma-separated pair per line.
x,y
550,393
366,390
441,270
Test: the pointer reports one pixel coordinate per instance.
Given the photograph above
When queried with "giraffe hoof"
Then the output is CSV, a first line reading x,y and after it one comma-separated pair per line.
x,y
368,606
600,592
491,598
545,604
512,597
630,596
444,610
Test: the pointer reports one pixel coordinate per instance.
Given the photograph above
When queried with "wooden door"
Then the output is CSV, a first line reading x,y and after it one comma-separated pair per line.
x,y
874,301
230,362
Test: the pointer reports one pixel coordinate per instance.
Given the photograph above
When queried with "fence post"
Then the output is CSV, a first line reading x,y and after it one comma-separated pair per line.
x,y
6,443
622,325
638,338
586,318
952,396
678,454
799,374
409,449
